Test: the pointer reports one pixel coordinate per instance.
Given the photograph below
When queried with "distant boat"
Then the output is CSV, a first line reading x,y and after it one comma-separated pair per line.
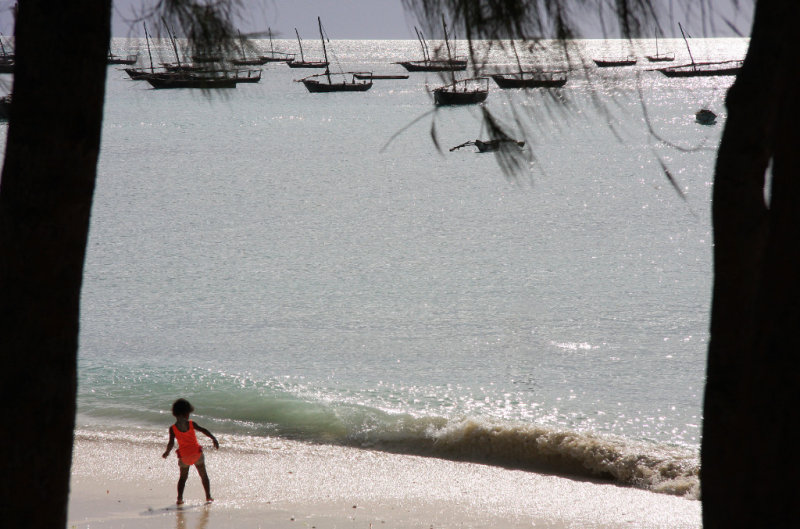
x,y
118,59
276,56
492,145
610,62
427,64
303,63
324,83
666,57
530,79
462,92
141,73
368,75
247,61
701,69
205,80
660,57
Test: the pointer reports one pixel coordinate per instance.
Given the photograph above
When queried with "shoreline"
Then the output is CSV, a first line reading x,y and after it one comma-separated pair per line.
x,y
117,483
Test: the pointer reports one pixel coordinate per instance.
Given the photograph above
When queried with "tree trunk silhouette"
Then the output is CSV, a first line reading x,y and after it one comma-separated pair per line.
x,y
45,201
752,392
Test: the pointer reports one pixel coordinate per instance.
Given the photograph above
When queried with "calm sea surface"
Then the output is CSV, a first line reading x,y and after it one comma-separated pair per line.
x,y
310,266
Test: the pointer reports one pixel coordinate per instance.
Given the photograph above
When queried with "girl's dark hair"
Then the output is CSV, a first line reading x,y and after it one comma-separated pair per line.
x,y
181,408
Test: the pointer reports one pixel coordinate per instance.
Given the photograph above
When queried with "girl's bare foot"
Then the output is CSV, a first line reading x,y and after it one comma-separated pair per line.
x,y
209,499
179,502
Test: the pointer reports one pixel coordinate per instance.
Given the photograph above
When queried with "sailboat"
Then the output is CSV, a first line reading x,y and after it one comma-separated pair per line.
x,y
427,64
533,78
276,56
245,61
701,69
460,92
630,60
118,59
141,73
324,83
303,63
660,57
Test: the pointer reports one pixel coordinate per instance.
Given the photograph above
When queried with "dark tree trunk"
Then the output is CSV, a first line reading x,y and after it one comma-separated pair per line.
x,y
752,398
45,200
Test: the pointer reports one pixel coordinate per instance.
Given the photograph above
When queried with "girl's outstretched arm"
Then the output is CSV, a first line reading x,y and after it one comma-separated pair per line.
x,y
170,444
209,434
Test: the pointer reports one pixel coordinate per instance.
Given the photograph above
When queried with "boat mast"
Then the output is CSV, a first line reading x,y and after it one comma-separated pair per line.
x,y
302,59
241,43
656,42
174,46
422,45
694,66
446,42
449,55
427,49
147,40
324,51
271,49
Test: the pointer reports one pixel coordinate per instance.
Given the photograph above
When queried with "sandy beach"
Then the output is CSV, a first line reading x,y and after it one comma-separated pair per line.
x,y
119,483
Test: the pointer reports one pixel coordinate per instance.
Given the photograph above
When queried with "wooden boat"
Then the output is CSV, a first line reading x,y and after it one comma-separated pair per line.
x,y
303,63
182,67
492,145
667,57
324,83
276,56
608,63
189,80
530,79
368,75
245,61
118,59
428,64
206,80
660,57
703,69
435,65
318,84
462,92
140,74
705,117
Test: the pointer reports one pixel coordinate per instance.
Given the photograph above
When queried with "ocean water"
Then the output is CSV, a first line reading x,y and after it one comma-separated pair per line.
x,y
311,267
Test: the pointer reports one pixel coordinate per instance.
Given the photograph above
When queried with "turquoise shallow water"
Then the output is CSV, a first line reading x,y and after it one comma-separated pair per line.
x,y
311,266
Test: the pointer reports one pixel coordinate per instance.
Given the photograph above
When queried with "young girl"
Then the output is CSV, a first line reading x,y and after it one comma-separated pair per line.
x,y
189,450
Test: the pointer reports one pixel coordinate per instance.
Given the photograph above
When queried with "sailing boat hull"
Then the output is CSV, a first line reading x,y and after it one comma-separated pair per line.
x,y
307,64
708,69
454,65
661,58
315,86
530,80
469,97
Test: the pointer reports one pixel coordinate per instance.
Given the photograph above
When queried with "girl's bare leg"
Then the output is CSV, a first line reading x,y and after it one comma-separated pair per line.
x,y
182,483
201,469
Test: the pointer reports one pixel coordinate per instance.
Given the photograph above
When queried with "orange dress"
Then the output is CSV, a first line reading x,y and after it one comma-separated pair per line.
x,y
189,450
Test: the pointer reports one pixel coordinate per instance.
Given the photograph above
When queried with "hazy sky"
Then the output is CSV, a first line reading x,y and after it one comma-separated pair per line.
x,y
386,19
